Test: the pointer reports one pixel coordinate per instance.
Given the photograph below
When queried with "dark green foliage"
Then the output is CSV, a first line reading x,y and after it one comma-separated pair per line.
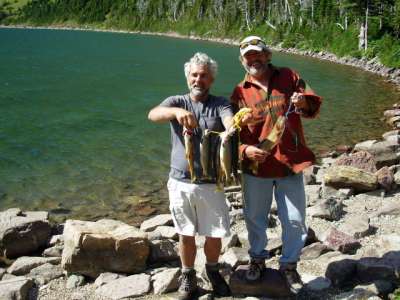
x,y
320,25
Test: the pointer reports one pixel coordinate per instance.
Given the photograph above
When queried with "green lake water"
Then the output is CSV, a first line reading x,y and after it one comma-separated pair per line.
x,y
74,134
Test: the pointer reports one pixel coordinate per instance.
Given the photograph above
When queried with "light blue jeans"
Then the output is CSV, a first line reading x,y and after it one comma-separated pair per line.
x,y
291,202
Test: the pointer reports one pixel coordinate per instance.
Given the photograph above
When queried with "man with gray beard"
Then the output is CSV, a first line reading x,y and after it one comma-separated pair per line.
x,y
273,93
196,207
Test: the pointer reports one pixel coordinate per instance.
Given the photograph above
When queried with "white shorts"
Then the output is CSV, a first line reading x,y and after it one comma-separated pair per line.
x,y
198,208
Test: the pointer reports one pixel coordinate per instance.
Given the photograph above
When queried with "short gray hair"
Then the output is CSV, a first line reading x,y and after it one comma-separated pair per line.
x,y
202,59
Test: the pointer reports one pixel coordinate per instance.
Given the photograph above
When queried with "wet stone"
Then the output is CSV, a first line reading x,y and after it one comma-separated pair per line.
x,y
271,284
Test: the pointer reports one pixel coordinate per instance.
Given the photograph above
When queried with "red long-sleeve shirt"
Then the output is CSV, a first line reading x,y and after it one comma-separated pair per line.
x,y
291,155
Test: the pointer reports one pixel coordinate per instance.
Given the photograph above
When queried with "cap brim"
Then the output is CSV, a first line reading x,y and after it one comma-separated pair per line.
x,y
251,47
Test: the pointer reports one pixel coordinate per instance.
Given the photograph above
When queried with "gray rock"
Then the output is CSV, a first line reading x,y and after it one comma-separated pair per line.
x,y
163,251
166,281
15,289
236,256
22,235
55,251
163,232
8,276
391,208
313,194
365,145
330,192
393,138
159,220
356,225
378,287
107,277
386,178
391,113
313,251
315,283
56,240
357,294
131,286
25,264
345,177
92,248
338,240
45,273
75,281
229,242
329,209
236,215
2,272
309,175
397,177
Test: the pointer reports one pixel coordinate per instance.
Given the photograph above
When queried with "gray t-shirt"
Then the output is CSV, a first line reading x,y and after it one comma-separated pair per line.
x,y
209,115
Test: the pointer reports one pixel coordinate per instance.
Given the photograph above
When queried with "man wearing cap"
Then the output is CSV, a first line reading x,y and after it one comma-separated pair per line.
x,y
272,92
196,207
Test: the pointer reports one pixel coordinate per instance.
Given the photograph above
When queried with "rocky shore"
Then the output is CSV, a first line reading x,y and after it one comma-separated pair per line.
x,y
373,65
352,250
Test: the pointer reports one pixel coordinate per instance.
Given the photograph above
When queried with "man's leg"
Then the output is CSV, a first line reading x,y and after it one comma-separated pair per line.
x,y
291,201
184,216
213,216
187,250
212,250
257,196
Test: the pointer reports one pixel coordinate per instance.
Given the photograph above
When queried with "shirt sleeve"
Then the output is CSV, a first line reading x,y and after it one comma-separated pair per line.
x,y
225,109
313,101
172,101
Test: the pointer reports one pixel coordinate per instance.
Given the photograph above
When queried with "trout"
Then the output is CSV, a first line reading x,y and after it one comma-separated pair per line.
x,y
189,152
271,140
225,156
205,154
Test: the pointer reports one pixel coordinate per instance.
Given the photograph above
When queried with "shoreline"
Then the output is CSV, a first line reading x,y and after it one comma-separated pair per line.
x,y
391,74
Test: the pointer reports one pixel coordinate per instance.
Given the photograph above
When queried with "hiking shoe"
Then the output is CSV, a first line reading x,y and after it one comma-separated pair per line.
x,y
256,268
220,287
188,286
293,279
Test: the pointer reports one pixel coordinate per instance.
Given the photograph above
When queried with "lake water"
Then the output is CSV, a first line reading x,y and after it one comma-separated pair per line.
x,y
74,135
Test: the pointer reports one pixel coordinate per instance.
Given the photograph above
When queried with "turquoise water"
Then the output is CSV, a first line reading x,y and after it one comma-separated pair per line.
x,y
74,135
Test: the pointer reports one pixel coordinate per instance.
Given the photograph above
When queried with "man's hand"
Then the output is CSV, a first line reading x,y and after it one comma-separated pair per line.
x,y
256,154
299,101
186,118
248,119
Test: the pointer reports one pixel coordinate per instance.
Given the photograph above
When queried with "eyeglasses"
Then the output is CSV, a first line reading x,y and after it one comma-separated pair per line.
x,y
254,42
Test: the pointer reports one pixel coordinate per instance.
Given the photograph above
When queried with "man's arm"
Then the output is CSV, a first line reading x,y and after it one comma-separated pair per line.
x,y
162,114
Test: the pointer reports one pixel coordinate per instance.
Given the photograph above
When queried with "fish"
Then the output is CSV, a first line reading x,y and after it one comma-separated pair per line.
x,y
275,135
237,118
271,140
189,152
225,156
205,154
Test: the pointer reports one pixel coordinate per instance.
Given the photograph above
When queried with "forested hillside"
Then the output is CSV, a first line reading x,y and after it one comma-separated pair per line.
x,y
344,27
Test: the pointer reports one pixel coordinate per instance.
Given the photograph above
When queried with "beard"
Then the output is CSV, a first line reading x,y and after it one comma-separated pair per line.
x,y
256,69
198,91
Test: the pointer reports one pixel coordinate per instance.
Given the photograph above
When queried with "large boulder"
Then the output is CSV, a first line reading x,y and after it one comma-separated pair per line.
x,y
16,288
360,160
350,177
92,248
23,233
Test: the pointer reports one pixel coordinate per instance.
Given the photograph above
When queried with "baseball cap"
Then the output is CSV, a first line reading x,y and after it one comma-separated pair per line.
x,y
252,43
